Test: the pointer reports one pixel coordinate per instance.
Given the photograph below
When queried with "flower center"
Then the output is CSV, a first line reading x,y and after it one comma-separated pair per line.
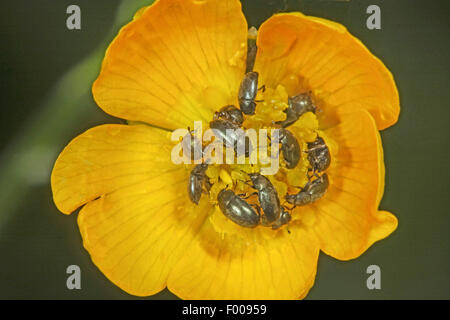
x,y
272,104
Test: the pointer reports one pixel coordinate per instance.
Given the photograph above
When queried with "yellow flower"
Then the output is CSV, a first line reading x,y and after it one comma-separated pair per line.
x,y
178,62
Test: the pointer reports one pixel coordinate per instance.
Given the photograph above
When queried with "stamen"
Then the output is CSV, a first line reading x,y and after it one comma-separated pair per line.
x,y
274,102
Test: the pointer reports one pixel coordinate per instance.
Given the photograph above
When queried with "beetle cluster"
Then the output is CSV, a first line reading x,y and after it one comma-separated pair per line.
x,y
268,212
244,214
319,157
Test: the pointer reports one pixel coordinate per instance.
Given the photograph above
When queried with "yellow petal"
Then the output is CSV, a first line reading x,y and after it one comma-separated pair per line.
x,y
177,62
347,220
141,222
137,234
251,264
308,53
107,158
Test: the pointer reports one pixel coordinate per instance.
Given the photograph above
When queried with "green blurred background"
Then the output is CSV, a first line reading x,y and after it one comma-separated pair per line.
x,y
46,76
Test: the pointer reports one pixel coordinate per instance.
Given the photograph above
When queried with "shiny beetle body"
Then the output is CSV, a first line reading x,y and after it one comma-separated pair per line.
x,y
297,106
232,138
268,198
290,148
247,93
319,155
312,191
220,127
237,209
284,218
230,113
197,179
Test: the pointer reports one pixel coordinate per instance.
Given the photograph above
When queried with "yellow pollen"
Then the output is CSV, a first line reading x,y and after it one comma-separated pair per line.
x,y
270,106
225,177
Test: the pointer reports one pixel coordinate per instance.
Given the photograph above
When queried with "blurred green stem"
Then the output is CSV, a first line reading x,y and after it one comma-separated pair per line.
x,y
30,156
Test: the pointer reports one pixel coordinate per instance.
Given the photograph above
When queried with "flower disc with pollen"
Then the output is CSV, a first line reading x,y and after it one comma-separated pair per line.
x,y
179,61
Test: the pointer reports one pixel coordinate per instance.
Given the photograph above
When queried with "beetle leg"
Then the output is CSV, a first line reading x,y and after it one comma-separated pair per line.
x,y
247,196
286,207
258,208
308,174
278,123
206,189
247,183
314,173
301,188
206,186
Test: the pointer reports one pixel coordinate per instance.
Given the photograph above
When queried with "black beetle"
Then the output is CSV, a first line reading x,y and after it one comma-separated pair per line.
x,y
284,218
247,93
230,113
237,209
318,155
232,138
290,148
197,178
297,106
268,198
312,191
